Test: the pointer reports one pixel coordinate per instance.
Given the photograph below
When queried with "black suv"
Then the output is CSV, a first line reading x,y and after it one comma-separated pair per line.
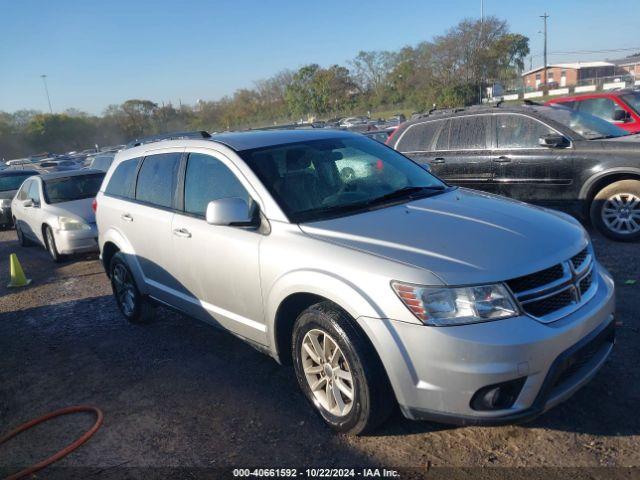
x,y
550,156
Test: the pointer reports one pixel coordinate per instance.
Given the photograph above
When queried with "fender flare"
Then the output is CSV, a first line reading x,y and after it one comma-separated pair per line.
x,y
593,179
343,293
120,241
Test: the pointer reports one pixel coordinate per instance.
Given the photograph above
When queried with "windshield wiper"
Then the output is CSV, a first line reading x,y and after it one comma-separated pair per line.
x,y
408,192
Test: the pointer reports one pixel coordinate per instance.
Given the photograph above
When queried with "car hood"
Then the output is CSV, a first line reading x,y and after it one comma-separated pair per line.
x,y
462,236
78,208
7,194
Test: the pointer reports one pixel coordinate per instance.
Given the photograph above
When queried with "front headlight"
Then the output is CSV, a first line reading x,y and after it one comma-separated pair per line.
x,y
5,203
444,306
68,223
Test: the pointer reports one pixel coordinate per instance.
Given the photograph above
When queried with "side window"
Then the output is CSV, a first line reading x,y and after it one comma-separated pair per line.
x,y
157,179
442,143
207,179
419,137
34,192
123,179
23,194
519,131
468,133
600,107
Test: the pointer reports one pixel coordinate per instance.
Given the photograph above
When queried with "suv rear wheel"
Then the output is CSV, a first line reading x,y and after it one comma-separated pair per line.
x,y
615,210
134,306
339,371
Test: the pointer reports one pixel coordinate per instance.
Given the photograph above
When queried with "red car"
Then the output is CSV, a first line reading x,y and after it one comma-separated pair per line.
x,y
621,107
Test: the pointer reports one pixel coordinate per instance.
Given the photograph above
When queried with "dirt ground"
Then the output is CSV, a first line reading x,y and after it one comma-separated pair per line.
x,y
178,393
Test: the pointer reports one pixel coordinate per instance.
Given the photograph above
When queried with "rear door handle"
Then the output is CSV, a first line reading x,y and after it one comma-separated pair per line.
x,y
437,160
126,217
182,232
502,159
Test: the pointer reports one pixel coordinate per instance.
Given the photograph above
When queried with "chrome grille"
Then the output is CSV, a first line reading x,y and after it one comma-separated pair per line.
x,y
557,291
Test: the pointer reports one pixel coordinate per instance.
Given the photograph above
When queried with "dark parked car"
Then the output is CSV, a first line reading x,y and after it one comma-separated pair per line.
x,y
551,156
10,181
102,161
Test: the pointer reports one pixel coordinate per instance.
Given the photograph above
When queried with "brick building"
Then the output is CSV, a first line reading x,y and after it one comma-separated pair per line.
x,y
568,74
631,65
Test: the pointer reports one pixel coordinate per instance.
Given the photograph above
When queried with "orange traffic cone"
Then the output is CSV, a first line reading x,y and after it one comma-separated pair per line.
x,y
17,275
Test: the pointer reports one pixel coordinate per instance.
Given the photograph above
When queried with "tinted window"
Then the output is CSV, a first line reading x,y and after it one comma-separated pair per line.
x,y
58,190
419,137
633,100
442,143
123,179
587,125
519,131
209,179
600,107
157,179
468,133
12,182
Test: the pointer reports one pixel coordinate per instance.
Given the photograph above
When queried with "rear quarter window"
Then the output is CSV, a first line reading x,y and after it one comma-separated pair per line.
x,y
419,137
123,179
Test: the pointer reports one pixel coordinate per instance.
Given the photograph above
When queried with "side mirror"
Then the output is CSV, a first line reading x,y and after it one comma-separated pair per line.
x,y
620,115
554,140
229,211
28,203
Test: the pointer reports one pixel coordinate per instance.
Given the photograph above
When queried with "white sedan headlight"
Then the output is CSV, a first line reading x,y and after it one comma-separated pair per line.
x,y
5,203
68,223
444,306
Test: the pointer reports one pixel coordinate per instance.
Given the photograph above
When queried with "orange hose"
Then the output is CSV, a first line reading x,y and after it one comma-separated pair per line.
x,y
65,451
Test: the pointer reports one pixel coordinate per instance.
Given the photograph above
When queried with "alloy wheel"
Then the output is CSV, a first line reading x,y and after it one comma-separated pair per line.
x,y
327,372
621,213
51,245
124,289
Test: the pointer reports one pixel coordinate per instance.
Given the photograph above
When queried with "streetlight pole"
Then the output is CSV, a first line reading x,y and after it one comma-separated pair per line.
x,y
46,90
544,19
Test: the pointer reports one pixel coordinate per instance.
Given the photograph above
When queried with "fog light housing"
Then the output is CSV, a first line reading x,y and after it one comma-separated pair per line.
x,y
497,396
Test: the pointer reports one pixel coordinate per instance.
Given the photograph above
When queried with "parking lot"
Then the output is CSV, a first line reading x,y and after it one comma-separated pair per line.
x,y
180,393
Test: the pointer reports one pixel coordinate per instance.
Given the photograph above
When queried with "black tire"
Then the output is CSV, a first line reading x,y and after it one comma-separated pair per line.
x,y
50,245
373,399
626,189
23,241
140,310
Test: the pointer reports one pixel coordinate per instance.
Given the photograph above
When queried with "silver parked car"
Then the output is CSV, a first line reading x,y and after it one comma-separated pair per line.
x,y
55,210
387,287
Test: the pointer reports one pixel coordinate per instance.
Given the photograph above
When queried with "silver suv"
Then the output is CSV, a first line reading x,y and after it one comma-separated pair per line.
x,y
386,287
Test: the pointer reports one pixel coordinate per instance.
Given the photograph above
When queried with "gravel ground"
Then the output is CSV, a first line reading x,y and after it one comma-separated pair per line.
x,y
179,393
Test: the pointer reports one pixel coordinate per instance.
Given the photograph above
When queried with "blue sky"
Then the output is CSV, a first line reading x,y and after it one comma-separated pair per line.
x,y
97,53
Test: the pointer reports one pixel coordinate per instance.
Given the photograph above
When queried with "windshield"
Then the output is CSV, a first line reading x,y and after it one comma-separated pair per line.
x,y
329,178
67,189
12,182
589,126
633,100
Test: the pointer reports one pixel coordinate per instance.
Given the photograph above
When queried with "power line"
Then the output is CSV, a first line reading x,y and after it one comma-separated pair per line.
x,y
587,52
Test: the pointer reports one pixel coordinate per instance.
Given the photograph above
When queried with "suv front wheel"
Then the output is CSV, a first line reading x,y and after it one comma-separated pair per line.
x,y
339,371
615,210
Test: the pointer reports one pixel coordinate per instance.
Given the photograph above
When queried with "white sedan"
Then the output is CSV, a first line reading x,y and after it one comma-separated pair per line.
x,y
55,211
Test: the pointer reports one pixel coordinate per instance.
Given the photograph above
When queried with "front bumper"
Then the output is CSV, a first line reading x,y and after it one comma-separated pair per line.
x,y
76,241
435,371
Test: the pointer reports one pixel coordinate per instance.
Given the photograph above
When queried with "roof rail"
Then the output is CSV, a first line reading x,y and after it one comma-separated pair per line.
x,y
201,134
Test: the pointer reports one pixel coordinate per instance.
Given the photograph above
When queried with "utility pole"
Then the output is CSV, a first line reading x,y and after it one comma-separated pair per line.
x,y
480,45
544,19
46,90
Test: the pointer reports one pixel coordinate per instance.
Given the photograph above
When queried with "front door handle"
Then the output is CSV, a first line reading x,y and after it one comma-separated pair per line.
x,y
437,160
126,217
502,159
182,232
